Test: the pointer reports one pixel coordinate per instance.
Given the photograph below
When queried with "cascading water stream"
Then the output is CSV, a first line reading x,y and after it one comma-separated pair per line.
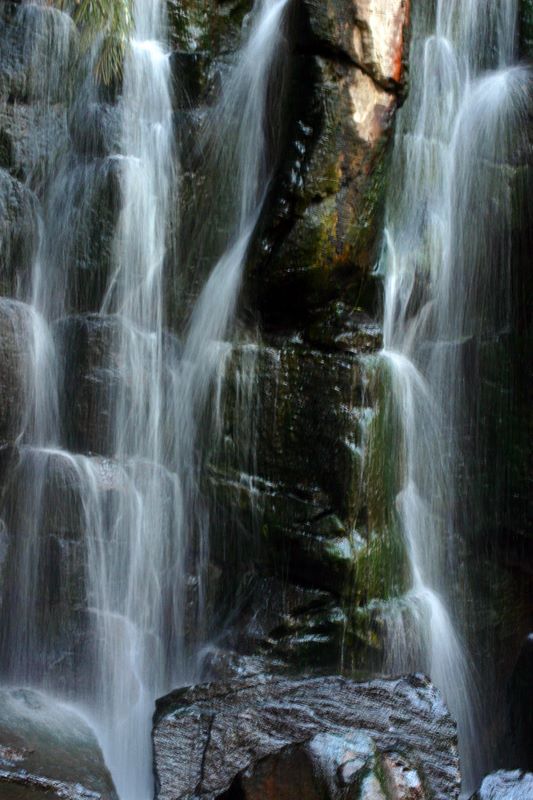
x,y
239,119
162,517
138,506
447,274
135,567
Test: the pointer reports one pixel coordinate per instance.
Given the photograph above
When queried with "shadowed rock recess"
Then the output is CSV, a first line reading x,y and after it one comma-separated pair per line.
x,y
268,467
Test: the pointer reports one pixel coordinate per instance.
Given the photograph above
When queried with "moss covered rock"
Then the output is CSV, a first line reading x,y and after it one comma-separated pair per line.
x,y
207,25
321,235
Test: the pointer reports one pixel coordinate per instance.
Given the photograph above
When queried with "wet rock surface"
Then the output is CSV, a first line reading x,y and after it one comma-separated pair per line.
x,y
345,75
15,355
88,344
44,510
526,28
297,509
47,750
514,785
317,738
307,493
33,91
18,234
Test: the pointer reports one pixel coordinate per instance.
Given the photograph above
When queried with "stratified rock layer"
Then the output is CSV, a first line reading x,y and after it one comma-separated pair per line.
x,y
317,738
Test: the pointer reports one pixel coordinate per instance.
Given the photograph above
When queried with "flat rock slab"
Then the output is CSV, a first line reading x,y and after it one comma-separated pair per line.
x,y
48,751
315,739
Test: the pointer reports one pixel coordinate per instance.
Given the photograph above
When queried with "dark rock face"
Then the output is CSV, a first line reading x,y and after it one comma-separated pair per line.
x,y
207,25
93,187
502,785
526,28
308,488
341,73
32,89
341,76
48,751
44,509
321,234
520,702
88,344
15,353
309,276
18,234
318,738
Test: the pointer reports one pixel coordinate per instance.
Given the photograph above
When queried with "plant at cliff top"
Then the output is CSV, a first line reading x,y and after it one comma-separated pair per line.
x,y
106,24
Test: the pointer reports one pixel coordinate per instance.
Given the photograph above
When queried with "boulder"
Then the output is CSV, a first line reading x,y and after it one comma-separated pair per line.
x,y
515,785
307,442
296,506
48,750
95,126
324,738
96,377
96,205
301,389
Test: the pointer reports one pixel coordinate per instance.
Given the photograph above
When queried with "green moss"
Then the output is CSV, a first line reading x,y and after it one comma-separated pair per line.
x,y
361,233
381,568
383,454
378,569
109,22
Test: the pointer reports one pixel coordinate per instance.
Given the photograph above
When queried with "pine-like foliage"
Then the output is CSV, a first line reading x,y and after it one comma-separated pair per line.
x,y
106,25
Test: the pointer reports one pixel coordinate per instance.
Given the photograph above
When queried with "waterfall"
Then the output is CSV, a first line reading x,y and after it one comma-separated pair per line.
x,y
135,557
239,120
135,502
446,263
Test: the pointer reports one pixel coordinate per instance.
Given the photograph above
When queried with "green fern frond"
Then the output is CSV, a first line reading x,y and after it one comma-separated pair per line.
x,y
108,23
